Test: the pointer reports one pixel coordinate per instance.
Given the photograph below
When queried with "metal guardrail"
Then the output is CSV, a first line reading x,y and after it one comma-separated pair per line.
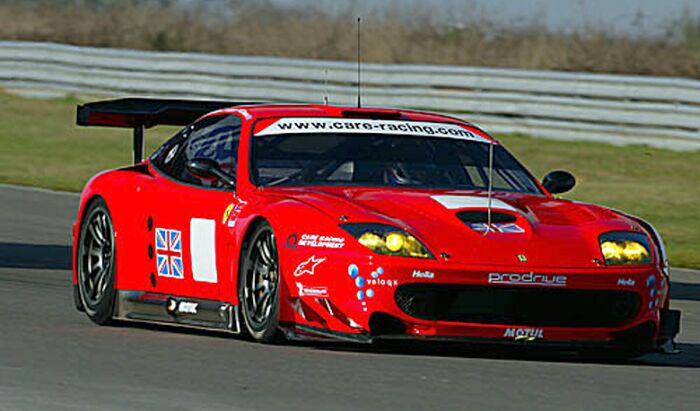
x,y
660,112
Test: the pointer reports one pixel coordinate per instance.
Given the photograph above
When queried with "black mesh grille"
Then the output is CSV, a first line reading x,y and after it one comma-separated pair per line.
x,y
518,306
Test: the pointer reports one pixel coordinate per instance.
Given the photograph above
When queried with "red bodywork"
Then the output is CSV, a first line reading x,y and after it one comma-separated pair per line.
x,y
319,297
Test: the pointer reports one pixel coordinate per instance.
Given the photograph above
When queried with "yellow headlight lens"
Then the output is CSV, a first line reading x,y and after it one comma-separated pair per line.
x,y
611,250
634,251
388,240
414,248
395,242
371,241
623,250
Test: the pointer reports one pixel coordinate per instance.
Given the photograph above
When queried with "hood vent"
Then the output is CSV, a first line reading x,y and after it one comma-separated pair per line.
x,y
469,217
500,222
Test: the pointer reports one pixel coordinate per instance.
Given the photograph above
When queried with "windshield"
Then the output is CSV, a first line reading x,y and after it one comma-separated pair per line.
x,y
383,160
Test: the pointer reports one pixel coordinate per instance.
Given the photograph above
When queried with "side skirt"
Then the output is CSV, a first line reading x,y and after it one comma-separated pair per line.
x,y
182,311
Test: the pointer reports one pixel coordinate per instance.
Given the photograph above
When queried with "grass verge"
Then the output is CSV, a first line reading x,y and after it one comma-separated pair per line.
x,y
41,146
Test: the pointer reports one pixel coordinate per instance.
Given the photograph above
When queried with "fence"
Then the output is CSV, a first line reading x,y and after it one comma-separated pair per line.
x,y
660,112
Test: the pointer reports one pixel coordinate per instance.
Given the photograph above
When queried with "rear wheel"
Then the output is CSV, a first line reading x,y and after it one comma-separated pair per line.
x,y
259,284
95,263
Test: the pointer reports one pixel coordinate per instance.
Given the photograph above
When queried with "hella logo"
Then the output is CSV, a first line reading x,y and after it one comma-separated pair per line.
x,y
423,274
528,279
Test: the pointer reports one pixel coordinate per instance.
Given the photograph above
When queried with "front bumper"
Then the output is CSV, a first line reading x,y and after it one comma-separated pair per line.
x,y
360,304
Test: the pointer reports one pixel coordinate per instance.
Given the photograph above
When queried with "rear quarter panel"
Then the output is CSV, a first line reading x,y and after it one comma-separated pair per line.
x,y
122,190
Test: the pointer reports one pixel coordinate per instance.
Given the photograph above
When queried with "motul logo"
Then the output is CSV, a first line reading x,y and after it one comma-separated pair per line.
x,y
528,279
528,334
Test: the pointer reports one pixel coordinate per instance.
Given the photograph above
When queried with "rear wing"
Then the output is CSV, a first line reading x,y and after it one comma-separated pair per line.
x,y
142,113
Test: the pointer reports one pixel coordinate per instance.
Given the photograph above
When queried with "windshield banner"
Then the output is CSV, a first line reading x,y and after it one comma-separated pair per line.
x,y
306,125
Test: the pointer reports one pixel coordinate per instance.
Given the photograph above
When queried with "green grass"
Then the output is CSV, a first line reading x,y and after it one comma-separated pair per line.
x,y
41,146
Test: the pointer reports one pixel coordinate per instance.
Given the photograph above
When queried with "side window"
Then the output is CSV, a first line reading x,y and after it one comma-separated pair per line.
x,y
215,138
165,154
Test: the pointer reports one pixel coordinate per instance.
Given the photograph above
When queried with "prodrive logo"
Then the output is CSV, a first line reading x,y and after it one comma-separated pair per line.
x,y
528,279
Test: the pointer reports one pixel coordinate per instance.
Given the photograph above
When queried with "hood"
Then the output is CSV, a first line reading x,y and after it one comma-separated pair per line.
x,y
526,230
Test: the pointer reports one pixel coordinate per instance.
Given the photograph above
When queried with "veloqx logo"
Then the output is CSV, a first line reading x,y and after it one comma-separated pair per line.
x,y
524,334
528,279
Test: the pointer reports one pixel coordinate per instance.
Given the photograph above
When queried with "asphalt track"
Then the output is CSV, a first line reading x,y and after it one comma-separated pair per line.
x,y
52,357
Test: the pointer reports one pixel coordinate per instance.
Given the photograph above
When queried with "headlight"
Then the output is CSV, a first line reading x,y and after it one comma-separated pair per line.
x,y
623,247
387,240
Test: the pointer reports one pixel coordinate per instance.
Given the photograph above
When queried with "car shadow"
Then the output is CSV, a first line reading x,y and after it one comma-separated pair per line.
x,y
685,291
37,256
689,356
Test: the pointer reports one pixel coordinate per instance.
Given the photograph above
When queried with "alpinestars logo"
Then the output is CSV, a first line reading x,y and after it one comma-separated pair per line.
x,y
308,266
528,279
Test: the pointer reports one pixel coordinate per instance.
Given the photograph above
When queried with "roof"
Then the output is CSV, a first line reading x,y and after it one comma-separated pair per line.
x,y
319,110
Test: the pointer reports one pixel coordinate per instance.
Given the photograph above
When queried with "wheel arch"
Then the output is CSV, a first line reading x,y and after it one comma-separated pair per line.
x,y
254,223
84,205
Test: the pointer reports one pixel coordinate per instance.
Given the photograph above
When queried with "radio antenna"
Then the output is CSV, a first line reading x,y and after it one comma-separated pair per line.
x,y
359,56
325,88
490,190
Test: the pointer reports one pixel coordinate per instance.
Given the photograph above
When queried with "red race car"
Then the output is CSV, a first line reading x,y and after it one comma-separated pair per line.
x,y
314,221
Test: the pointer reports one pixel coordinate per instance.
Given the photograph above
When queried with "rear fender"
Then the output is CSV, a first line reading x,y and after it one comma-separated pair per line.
x,y
122,192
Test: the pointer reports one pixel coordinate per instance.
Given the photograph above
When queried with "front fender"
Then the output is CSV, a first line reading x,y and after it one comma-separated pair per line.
x,y
314,256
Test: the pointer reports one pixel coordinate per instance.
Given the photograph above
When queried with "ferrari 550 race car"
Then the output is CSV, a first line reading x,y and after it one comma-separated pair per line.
x,y
315,221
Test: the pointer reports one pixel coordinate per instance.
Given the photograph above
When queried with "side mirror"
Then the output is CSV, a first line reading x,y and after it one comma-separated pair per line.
x,y
208,169
559,181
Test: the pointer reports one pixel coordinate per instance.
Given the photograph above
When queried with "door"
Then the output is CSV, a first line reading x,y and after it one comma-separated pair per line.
x,y
191,242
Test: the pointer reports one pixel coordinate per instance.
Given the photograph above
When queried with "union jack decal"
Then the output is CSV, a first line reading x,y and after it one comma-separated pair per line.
x,y
169,253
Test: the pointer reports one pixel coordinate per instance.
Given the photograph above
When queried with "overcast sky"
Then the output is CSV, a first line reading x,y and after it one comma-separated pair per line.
x,y
622,16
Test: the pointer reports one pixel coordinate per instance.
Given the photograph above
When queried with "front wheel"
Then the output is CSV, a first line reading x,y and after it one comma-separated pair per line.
x,y
259,284
95,263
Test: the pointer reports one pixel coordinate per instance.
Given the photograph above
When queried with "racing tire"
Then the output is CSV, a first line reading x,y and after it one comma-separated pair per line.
x,y
259,286
77,301
95,262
